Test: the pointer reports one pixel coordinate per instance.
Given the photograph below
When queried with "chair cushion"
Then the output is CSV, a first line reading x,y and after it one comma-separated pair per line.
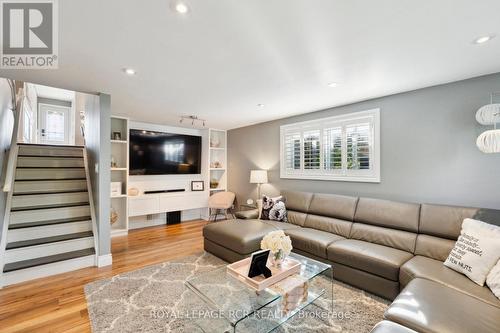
x,y
434,270
386,326
426,306
311,240
372,258
241,236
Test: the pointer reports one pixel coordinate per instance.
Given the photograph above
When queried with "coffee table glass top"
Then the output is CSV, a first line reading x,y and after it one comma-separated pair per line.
x,y
235,300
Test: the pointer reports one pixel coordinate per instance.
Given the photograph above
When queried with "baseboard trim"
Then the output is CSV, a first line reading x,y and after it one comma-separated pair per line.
x,y
105,260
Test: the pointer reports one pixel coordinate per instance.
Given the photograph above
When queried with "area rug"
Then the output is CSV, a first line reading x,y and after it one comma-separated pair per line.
x,y
155,299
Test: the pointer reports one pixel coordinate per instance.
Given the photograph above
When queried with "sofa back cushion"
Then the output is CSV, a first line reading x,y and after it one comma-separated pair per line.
x,y
446,221
328,224
398,239
297,218
389,214
297,201
433,247
332,205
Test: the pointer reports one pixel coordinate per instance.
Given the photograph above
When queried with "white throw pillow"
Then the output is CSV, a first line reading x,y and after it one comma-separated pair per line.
x,y
476,251
493,280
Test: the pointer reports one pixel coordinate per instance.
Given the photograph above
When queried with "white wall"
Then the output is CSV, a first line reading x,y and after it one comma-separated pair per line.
x,y
6,127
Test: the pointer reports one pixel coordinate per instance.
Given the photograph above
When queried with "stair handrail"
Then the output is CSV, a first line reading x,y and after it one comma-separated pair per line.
x,y
92,206
17,108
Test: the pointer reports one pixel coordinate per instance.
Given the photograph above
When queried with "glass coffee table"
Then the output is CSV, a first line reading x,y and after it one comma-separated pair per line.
x,y
246,310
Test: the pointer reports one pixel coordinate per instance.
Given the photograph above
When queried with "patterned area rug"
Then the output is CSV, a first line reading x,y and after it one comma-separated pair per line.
x,y
154,299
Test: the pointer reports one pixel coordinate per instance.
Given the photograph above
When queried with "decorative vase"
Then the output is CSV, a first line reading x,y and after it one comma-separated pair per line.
x,y
277,258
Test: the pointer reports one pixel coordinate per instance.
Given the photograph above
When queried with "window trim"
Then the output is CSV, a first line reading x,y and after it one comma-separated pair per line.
x,y
373,176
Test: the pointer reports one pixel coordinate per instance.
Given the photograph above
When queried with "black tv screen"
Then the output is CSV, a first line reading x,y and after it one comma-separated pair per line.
x,y
157,153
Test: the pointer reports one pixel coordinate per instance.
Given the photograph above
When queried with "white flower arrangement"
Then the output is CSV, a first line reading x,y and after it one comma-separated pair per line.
x,y
276,241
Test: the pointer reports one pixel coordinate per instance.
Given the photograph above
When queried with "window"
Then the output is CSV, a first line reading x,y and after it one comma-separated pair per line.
x,y
345,147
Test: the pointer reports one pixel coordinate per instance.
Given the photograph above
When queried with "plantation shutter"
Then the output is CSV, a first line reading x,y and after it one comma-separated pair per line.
x,y
312,150
358,147
292,151
332,148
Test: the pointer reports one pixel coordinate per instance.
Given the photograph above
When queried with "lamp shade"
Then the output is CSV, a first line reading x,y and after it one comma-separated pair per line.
x,y
488,114
489,141
258,176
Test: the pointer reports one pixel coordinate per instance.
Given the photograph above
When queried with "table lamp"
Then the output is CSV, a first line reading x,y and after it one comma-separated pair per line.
x,y
258,177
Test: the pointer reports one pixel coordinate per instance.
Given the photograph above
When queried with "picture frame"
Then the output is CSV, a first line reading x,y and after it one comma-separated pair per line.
x,y
117,136
197,185
258,262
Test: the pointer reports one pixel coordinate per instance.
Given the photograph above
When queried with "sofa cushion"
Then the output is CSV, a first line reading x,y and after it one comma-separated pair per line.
x,y
386,213
280,225
444,221
398,239
241,236
386,326
377,259
311,240
433,247
297,218
297,201
431,269
426,306
332,205
328,224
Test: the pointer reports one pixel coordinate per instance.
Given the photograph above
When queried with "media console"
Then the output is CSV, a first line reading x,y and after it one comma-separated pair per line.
x,y
164,202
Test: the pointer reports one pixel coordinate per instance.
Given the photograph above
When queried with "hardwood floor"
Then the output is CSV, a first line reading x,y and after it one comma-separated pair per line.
x,y
57,303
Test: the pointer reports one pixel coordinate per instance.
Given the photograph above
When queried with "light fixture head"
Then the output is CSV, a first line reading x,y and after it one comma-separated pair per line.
x,y
180,7
129,71
489,141
333,84
483,39
260,105
488,114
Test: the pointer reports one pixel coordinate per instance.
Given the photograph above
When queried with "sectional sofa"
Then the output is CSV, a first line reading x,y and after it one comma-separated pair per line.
x,y
392,249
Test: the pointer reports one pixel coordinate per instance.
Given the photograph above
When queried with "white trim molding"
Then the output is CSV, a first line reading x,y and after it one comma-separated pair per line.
x,y
319,149
105,260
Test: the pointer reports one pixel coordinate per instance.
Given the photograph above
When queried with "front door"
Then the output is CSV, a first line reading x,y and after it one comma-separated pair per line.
x,y
54,124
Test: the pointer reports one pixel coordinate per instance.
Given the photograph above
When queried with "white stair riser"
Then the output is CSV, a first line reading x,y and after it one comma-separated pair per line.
x,y
49,214
28,174
50,151
49,162
50,186
44,250
49,199
47,270
16,235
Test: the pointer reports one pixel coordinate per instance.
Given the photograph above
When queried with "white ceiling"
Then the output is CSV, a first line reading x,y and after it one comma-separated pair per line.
x,y
227,56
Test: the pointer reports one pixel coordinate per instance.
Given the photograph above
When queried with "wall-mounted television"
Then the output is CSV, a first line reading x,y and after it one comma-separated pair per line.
x,y
158,153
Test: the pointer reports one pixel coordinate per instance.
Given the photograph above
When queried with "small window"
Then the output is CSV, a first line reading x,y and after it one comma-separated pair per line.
x,y
343,148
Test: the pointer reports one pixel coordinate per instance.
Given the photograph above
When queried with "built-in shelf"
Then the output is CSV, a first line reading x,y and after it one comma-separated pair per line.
x,y
221,169
217,148
119,156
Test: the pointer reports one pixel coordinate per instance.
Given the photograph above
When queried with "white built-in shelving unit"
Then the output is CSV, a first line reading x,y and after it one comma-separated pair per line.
x,y
217,160
119,173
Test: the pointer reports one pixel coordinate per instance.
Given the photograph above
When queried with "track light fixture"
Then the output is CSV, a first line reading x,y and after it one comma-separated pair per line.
x,y
193,119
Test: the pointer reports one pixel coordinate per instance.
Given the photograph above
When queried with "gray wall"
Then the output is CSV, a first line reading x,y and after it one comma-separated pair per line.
x,y
6,127
428,151
98,144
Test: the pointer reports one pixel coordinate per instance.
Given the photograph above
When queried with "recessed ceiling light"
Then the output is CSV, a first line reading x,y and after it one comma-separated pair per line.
x,y
333,84
180,7
129,71
260,105
483,39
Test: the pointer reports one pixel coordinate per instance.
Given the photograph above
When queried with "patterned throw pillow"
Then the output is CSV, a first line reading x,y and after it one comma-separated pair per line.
x,y
273,209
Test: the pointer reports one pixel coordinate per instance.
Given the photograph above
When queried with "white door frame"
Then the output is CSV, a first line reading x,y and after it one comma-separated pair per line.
x,y
67,125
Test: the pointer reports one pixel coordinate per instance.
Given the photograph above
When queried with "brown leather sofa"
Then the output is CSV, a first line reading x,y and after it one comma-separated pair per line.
x,y
392,249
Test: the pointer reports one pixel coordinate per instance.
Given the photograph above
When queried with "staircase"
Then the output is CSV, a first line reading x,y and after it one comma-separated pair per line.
x,y
50,216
